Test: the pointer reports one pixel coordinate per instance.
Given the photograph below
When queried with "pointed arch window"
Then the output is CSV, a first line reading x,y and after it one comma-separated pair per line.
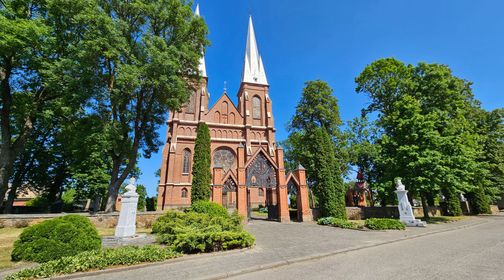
x,y
184,193
186,162
256,107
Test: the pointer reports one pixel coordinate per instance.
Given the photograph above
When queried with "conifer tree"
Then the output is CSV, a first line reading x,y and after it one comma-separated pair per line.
x,y
329,187
479,201
201,165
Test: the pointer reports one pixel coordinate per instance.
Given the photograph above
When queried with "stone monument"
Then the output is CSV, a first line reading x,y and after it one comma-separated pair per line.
x,y
126,226
405,211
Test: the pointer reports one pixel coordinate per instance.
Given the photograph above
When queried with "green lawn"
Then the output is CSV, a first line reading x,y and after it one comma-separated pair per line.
x,y
7,238
443,219
9,235
256,213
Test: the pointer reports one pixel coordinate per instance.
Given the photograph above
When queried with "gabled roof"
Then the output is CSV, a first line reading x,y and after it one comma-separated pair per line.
x,y
265,153
230,174
291,176
231,108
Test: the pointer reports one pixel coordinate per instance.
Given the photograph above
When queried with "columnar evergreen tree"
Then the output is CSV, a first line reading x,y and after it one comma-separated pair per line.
x,y
201,173
479,201
318,108
329,187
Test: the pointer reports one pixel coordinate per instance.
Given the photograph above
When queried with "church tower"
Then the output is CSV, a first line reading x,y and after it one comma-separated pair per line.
x,y
254,102
247,167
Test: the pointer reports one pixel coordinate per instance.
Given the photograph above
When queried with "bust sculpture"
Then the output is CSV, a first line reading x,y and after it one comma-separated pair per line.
x,y
131,187
400,186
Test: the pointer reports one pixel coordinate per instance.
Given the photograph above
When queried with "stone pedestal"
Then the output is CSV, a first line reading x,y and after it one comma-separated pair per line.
x,y
405,211
126,226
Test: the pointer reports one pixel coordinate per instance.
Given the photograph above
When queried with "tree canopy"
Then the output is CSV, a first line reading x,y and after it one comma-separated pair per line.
x,y
430,134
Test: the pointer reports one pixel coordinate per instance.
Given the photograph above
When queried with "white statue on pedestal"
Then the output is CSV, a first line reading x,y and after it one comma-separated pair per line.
x,y
126,226
405,211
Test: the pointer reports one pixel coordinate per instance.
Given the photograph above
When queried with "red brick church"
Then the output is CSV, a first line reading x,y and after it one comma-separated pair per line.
x,y
247,165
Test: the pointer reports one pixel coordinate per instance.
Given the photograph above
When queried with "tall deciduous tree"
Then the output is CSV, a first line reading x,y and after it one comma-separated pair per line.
x,y
148,55
42,66
201,174
429,136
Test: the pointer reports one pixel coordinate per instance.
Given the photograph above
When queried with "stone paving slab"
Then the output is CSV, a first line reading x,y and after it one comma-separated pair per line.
x,y
277,245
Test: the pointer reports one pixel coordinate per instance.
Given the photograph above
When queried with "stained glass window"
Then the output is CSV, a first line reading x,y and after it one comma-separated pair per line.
x,y
225,158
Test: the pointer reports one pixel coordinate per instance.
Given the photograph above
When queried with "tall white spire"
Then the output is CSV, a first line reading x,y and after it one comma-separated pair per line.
x,y
202,65
253,68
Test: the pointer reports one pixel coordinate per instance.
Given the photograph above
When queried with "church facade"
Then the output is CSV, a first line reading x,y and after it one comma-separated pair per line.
x,y
247,165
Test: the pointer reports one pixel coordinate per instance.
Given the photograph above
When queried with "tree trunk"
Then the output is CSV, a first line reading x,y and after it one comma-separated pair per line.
x,y
5,174
6,162
425,206
113,192
116,180
10,198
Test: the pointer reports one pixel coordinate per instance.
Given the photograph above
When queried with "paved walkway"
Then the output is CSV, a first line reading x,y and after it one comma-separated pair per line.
x,y
277,245
473,253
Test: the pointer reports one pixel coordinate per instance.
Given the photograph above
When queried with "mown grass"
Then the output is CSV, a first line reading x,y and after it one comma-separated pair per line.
x,y
443,219
9,235
7,238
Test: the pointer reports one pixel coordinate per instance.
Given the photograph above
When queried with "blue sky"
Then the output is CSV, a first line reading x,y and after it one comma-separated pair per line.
x,y
334,40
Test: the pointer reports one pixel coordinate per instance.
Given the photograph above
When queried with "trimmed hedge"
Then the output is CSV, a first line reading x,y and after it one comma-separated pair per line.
x,y
56,238
95,260
192,232
337,222
383,224
208,207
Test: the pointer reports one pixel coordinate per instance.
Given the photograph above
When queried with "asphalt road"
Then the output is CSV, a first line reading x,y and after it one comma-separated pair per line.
x,y
470,253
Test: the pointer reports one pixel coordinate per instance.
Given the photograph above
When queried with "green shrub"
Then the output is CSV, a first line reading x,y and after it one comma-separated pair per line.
x,y
337,222
98,259
325,221
479,201
208,207
193,232
383,224
56,238
151,203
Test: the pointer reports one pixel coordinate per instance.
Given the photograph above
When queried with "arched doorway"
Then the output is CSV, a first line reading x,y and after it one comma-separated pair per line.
x,y
292,190
229,194
261,177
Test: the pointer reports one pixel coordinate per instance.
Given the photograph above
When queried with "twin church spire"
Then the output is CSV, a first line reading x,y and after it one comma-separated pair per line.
x,y
253,68
202,65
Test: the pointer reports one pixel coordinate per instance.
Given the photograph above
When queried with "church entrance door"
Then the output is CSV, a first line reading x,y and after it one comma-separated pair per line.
x,y
229,195
261,175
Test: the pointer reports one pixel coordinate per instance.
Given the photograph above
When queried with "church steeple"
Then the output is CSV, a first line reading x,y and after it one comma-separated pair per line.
x,y
253,68
202,65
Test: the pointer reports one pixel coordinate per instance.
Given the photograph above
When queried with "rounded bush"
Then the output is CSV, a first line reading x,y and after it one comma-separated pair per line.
x,y
193,232
56,238
208,207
